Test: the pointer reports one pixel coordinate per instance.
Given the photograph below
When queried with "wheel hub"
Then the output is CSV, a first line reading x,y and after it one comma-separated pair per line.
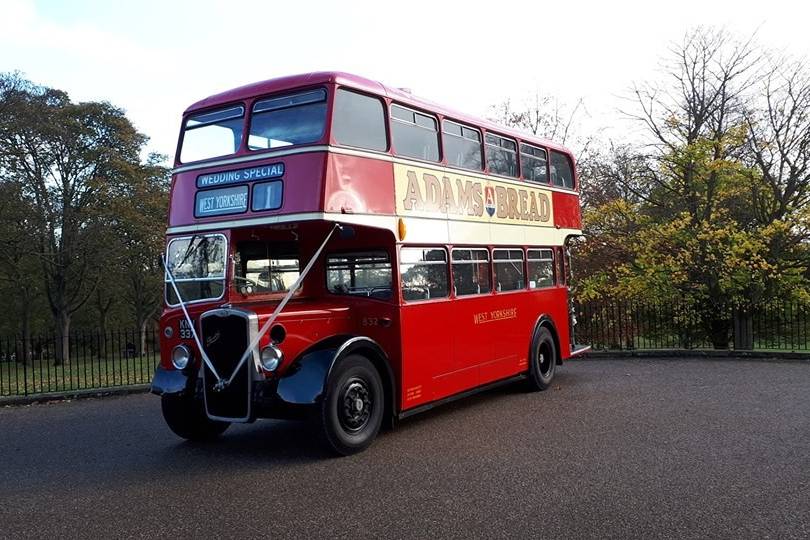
x,y
544,361
355,406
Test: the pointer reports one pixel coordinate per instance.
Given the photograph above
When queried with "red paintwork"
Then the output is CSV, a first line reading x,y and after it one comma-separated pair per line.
x,y
447,352
436,348
359,185
566,210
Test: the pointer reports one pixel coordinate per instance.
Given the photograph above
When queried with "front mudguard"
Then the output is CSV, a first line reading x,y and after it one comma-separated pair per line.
x,y
173,382
303,385
305,381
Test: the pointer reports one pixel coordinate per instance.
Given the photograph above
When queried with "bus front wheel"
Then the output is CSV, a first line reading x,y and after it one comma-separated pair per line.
x,y
543,359
352,409
186,417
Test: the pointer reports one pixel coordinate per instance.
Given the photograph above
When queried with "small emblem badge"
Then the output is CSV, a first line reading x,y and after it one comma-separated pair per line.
x,y
489,200
210,340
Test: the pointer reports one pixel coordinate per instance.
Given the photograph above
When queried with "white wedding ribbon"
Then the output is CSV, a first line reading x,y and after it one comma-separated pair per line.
x,y
189,321
221,384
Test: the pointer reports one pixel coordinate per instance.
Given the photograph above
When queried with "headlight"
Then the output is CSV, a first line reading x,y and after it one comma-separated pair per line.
x,y
271,358
180,356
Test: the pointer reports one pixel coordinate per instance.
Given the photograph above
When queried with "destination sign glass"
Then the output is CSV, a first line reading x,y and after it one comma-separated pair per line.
x,y
218,202
274,170
267,195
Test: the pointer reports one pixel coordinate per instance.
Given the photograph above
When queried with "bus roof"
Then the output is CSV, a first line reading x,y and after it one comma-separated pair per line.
x,y
367,85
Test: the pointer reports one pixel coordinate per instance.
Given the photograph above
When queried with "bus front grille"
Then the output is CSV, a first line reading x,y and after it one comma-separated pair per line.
x,y
225,334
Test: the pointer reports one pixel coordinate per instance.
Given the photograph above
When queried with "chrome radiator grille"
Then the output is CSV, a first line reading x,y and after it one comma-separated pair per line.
x,y
225,335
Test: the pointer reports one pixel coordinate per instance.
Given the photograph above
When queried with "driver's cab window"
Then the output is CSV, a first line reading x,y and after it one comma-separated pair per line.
x,y
265,267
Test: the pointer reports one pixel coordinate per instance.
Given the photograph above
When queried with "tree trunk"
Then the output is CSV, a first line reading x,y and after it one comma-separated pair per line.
x,y
143,327
25,358
743,330
103,308
719,327
63,339
102,343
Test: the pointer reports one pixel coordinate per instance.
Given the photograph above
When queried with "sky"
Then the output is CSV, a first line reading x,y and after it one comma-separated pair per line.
x,y
153,58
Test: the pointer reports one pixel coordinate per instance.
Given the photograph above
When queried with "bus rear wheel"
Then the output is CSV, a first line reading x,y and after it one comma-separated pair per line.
x,y
543,359
352,409
186,417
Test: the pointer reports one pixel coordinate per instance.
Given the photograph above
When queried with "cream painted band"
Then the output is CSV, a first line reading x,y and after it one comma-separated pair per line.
x,y
419,230
370,155
455,195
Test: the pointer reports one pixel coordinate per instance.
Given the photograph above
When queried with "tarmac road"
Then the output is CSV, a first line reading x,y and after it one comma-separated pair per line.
x,y
617,448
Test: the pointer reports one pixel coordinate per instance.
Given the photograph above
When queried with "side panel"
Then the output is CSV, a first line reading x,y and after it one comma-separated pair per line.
x,y
473,342
566,210
429,370
505,321
554,303
452,346
359,185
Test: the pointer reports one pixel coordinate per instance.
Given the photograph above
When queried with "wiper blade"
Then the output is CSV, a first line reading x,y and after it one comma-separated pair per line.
x,y
189,250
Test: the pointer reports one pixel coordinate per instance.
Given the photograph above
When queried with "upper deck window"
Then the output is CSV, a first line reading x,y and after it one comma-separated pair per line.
x,y
501,155
533,164
415,134
462,146
212,134
297,118
562,174
359,120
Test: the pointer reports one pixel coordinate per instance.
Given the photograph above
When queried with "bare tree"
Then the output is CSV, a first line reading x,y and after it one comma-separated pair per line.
x,y
550,118
542,115
702,102
779,140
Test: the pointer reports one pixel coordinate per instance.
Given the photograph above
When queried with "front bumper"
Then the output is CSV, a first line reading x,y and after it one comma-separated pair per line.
x,y
295,395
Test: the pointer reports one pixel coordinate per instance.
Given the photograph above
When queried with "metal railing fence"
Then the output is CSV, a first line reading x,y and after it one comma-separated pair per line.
x,y
96,361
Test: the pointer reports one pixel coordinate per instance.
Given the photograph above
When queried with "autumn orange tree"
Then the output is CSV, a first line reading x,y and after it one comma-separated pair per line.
x,y
711,210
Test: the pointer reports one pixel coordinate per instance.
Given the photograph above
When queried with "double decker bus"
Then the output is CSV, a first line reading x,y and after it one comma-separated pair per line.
x,y
345,252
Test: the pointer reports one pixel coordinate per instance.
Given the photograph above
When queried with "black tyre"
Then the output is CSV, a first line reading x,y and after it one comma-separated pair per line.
x,y
186,417
352,408
542,359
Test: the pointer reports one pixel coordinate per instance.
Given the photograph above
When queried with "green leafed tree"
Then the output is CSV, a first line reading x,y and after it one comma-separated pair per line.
x,y
67,161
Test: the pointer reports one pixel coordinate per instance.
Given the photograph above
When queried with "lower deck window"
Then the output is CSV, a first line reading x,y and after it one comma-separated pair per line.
x,y
424,273
508,269
265,267
471,271
541,268
359,274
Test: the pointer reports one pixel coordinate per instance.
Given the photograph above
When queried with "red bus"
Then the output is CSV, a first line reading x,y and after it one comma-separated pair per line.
x,y
342,251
